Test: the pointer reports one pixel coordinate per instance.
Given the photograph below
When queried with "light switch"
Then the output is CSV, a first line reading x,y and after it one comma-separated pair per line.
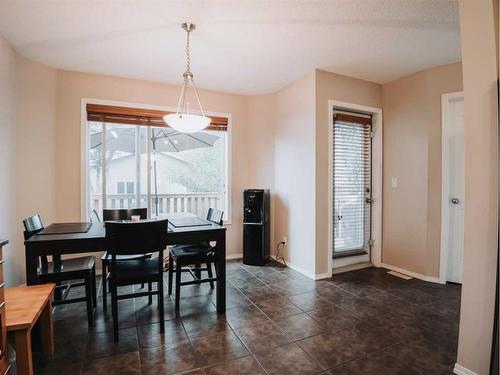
x,y
394,182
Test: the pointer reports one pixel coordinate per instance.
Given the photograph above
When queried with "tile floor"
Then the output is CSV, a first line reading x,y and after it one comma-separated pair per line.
x,y
277,322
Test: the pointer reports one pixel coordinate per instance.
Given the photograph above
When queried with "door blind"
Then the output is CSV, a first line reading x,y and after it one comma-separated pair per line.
x,y
351,184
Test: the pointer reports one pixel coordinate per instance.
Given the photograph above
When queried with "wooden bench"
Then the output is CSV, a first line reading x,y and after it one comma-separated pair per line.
x,y
25,306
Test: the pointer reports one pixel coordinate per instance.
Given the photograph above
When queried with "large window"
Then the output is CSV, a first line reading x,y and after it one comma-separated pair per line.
x,y
135,160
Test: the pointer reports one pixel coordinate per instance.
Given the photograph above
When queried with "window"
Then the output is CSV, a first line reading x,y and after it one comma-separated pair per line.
x,y
125,187
135,160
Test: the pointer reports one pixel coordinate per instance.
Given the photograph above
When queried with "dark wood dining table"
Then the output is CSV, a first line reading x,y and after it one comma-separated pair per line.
x,y
95,238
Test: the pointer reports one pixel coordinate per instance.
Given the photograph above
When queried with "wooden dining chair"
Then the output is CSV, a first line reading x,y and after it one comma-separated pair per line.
x,y
60,270
196,254
129,238
116,214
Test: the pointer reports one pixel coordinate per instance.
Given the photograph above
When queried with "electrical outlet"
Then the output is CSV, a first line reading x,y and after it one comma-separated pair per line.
x,y
394,182
285,241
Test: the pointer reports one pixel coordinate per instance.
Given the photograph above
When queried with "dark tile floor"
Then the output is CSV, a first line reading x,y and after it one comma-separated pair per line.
x,y
277,322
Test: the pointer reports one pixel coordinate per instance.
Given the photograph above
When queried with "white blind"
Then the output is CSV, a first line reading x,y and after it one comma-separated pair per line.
x,y
351,183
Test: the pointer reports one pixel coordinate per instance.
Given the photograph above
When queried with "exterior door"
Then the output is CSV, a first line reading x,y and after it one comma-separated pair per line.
x,y
351,189
454,182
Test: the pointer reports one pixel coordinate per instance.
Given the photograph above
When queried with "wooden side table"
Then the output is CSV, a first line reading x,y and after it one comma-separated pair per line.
x,y
25,306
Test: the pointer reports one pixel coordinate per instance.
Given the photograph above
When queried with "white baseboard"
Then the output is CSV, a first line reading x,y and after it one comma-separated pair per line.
x,y
352,267
460,370
431,279
321,276
234,256
299,269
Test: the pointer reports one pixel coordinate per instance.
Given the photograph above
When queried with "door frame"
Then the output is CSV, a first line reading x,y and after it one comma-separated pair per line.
x,y
377,161
445,165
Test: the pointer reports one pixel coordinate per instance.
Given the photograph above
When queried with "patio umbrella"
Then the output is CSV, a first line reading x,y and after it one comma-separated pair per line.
x,y
164,140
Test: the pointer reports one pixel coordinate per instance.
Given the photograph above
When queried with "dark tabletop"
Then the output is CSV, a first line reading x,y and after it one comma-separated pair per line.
x,y
97,231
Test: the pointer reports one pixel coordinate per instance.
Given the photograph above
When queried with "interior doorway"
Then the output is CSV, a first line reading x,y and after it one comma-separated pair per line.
x,y
453,188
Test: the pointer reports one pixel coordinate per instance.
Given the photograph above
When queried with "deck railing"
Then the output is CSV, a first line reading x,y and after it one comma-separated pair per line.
x,y
196,203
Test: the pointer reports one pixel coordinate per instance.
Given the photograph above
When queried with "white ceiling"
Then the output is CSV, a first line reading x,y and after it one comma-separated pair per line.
x,y
241,46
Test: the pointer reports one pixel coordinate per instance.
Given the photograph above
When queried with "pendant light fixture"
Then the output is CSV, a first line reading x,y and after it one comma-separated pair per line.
x,y
183,120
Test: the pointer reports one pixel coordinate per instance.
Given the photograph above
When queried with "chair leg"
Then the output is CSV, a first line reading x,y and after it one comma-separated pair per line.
x,y
178,273
160,297
210,275
170,273
88,300
158,301
104,287
114,310
197,271
150,297
94,288
160,304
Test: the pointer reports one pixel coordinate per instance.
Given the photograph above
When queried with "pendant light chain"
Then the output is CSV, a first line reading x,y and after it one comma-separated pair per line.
x,y
188,56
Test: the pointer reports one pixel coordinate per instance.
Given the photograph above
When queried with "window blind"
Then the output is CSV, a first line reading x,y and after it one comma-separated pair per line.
x,y
351,183
140,116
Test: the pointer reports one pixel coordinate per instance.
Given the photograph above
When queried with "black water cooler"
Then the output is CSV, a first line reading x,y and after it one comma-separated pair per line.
x,y
256,226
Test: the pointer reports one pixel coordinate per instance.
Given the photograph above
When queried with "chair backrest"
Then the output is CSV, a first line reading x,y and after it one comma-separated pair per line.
x,y
115,214
127,238
32,225
215,216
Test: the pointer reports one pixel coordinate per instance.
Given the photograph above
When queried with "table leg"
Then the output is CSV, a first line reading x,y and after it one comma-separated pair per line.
x,y
31,266
22,339
46,329
221,276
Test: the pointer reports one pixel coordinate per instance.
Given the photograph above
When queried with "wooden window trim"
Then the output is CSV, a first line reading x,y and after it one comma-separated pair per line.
x,y
140,116
343,117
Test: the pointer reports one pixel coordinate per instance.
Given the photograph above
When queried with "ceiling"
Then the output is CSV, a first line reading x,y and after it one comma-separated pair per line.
x,y
239,46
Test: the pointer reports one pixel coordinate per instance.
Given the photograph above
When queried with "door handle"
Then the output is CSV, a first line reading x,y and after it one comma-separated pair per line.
x,y
455,200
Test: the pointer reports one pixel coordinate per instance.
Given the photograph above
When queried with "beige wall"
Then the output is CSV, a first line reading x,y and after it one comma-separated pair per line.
x,y
479,56
412,154
27,116
251,134
7,150
259,139
34,147
331,86
294,163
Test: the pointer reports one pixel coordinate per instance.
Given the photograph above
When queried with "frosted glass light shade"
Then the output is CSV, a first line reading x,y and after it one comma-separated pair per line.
x,y
187,123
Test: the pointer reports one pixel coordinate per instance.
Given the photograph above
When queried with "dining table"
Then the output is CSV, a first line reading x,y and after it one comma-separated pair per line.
x,y
94,240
